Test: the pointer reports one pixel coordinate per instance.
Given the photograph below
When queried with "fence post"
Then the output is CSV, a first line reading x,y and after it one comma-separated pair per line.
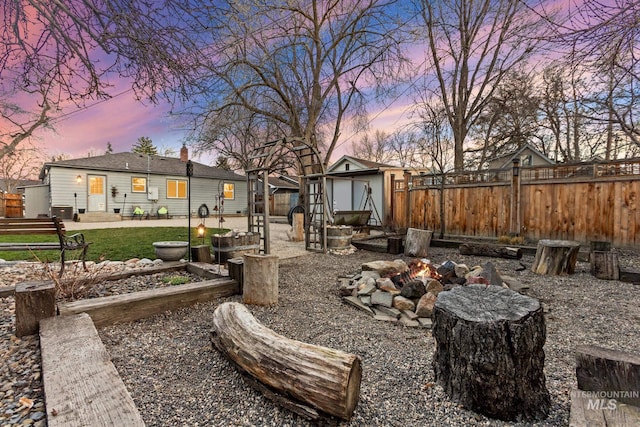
x,y
514,226
407,201
392,200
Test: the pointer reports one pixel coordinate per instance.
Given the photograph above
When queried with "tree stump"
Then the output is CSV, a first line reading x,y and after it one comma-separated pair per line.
x,y
322,377
201,253
394,245
489,351
34,301
260,281
417,242
604,265
556,257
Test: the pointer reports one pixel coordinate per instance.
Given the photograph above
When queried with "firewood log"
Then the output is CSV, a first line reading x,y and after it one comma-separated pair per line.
x,y
486,249
324,378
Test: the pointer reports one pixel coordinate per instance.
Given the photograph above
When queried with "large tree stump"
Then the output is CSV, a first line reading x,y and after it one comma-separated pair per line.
x,y
556,257
490,250
489,351
324,378
260,281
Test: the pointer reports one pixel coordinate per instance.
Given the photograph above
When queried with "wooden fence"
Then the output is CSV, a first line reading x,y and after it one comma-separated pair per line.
x,y
11,205
581,202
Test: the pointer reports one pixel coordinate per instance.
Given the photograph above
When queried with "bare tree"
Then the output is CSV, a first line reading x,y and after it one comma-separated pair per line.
x,y
303,65
23,163
375,148
472,45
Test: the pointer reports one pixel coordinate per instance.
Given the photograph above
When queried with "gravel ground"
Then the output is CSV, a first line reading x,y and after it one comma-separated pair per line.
x,y
176,378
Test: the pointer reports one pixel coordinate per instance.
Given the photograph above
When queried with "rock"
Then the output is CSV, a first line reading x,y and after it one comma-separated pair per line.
x,y
382,298
434,286
490,272
461,270
402,303
366,281
413,290
386,268
388,311
367,289
387,285
408,322
411,315
425,322
424,308
354,301
371,273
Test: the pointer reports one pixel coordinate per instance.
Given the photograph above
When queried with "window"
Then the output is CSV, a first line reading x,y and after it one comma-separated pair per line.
x,y
229,191
138,185
346,166
176,189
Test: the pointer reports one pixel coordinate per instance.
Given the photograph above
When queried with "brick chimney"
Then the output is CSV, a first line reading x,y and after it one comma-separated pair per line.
x,y
184,153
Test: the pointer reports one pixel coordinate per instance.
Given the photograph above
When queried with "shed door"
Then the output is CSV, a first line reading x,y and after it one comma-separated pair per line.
x,y
97,193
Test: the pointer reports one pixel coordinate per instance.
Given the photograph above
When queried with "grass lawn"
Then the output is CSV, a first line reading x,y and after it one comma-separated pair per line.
x,y
114,244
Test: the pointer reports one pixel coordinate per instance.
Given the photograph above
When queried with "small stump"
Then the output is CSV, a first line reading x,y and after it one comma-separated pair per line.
x,y
417,242
556,257
260,281
489,351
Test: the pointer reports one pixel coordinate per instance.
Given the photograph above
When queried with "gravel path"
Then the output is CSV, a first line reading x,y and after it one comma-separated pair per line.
x,y
176,378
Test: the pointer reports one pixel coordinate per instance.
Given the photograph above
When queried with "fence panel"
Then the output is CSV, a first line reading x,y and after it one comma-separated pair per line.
x,y
571,202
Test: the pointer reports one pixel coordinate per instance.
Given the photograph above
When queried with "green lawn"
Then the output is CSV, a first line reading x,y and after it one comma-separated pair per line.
x,y
114,244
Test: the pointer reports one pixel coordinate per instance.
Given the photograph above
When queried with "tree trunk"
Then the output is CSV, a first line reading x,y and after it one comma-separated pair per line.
x,y
486,249
556,257
260,281
321,377
489,351
604,265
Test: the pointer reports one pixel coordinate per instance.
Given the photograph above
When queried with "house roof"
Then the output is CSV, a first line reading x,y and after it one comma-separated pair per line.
x,y
506,159
361,164
5,183
279,182
141,163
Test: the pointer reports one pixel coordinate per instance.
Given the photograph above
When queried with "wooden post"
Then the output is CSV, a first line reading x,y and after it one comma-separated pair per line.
x,y
260,282
407,200
34,301
201,253
514,227
392,201
556,257
489,351
298,227
236,270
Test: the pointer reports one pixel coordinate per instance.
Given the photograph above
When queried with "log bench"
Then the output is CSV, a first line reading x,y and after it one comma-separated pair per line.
x,y
43,226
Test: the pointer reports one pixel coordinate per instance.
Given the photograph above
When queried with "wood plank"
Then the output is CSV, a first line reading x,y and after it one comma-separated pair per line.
x,y
602,369
82,386
590,411
138,305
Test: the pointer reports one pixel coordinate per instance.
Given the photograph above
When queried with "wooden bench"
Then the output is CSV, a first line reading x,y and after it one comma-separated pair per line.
x,y
43,226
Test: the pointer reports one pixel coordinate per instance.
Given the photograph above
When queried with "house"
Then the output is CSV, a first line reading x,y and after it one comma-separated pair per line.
x,y
528,155
120,182
355,184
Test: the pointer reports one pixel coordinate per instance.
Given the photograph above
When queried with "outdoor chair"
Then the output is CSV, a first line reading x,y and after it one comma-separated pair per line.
x,y
138,212
163,212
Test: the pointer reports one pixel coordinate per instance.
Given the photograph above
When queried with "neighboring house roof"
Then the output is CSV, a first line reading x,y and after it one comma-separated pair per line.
x,y
141,163
6,183
506,160
360,166
284,183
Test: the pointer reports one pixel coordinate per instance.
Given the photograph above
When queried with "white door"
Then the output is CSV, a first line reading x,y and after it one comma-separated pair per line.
x,y
97,193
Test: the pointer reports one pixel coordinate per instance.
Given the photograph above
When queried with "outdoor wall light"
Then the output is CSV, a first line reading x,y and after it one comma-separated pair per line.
x,y
200,230
79,179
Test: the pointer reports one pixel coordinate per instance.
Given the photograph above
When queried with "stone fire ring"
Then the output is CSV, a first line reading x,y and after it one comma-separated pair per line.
x,y
172,250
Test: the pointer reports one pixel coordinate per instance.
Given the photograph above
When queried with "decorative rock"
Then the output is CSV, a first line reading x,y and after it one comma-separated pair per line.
x,y
425,322
402,303
424,308
388,311
366,281
411,315
371,273
434,286
410,323
367,289
382,298
413,290
386,268
387,285
461,270
355,301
